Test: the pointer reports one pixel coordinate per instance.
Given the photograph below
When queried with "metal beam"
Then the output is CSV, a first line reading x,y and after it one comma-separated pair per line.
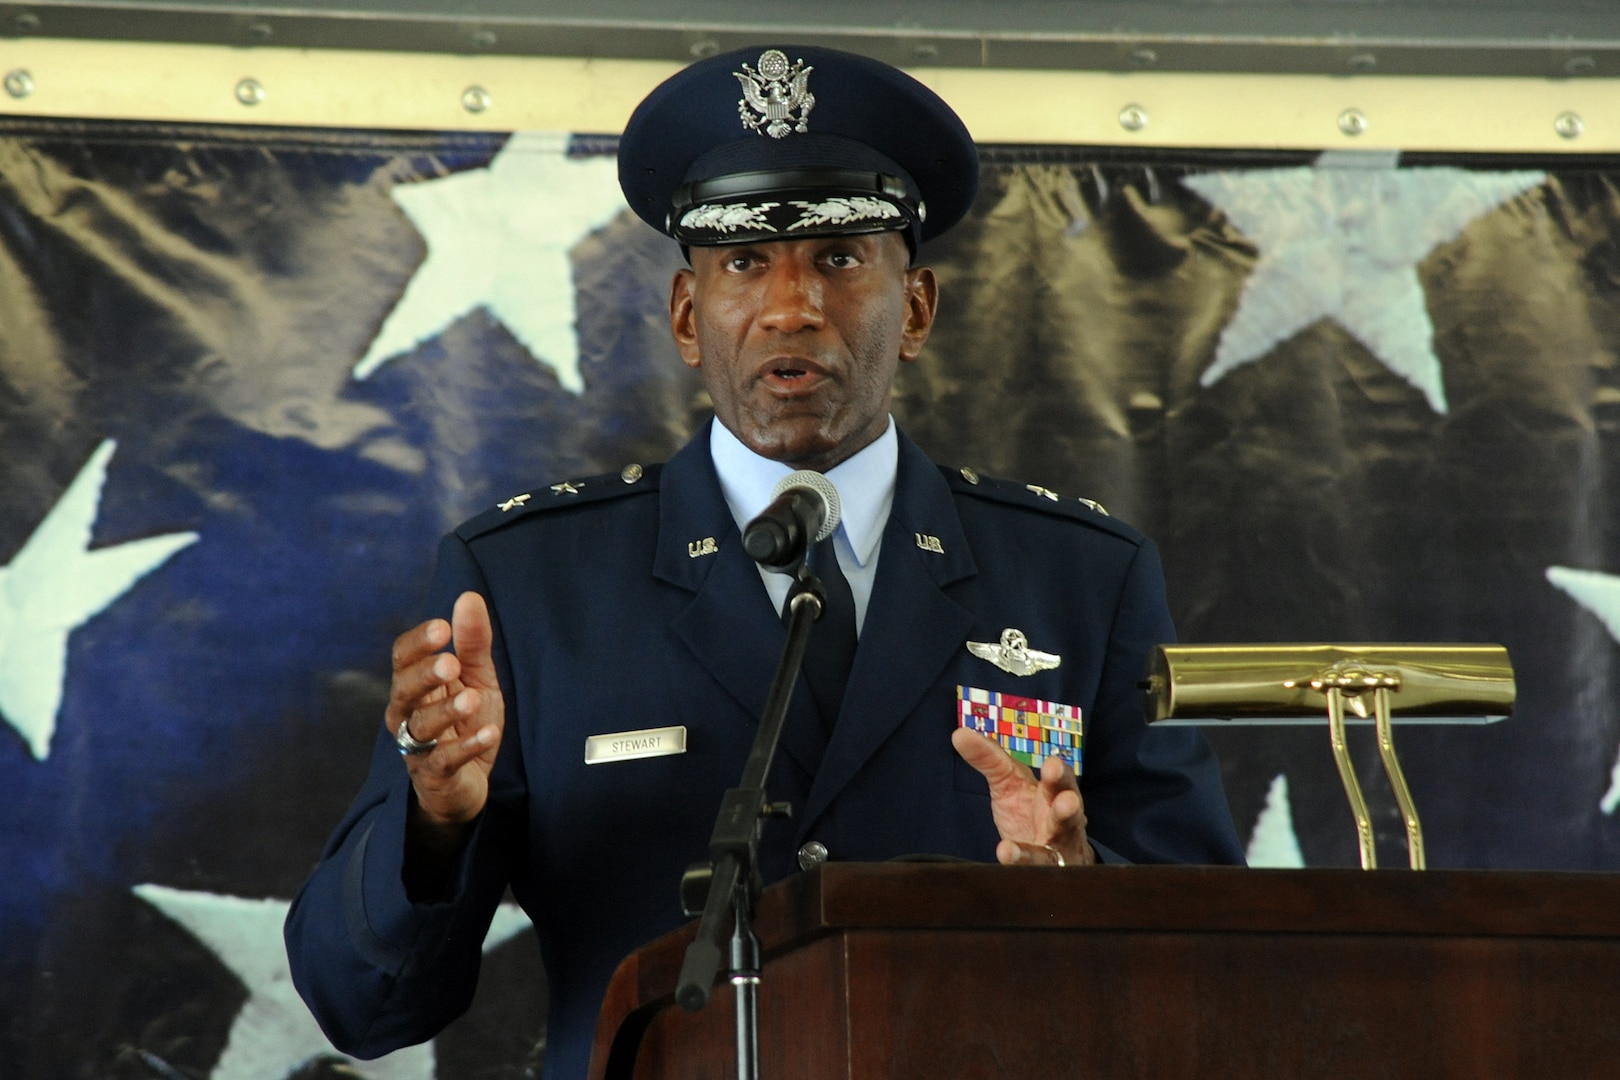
x,y
77,79
1510,38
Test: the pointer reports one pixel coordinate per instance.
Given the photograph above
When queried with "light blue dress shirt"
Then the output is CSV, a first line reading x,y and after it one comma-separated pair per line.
x,y
865,484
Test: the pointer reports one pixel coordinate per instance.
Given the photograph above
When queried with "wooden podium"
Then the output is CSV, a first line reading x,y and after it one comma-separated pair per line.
x,y
938,971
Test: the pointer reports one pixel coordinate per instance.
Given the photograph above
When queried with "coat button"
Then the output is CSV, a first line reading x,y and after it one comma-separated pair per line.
x,y
812,855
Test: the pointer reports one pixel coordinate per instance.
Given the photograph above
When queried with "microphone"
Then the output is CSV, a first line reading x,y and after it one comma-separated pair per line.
x,y
804,510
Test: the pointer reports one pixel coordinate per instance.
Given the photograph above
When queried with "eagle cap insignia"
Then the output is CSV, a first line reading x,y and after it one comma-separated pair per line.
x,y
1013,655
773,93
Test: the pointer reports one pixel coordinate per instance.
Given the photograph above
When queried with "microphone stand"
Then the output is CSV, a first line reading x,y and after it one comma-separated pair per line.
x,y
731,878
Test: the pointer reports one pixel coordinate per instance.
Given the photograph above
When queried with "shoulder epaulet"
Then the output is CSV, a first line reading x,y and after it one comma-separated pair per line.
x,y
630,480
967,481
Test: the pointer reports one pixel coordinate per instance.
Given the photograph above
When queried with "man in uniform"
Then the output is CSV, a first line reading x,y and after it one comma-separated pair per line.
x,y
613,643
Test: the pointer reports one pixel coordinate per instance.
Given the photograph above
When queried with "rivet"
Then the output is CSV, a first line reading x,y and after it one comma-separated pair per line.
x,y
258,32
925,52
475,99
1569,125
1133,118
702,50
482,39
1352,121
249,92
1579,65
19,84
1363,62
25,22
1144,57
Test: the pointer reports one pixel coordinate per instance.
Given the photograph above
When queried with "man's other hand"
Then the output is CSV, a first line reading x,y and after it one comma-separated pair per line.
x,y
1041,822
456,699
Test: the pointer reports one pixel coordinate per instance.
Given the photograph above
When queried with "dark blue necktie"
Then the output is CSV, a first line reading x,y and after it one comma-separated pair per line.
x,y
831,652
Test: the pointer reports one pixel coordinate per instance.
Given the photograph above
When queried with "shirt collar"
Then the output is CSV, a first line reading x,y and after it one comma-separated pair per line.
x,y
865,484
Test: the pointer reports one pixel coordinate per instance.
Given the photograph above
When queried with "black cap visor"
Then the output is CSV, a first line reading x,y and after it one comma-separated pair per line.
x,y
785,204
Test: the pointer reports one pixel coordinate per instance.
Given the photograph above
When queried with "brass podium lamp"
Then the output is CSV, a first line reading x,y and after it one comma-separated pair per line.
x,y
1295,684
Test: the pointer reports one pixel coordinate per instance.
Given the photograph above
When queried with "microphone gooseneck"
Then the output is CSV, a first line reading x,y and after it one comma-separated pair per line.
x,y
804,510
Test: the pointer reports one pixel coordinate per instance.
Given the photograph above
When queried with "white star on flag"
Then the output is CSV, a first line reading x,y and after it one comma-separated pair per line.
x,y
1273,841
1342,240
274,1035
499,238
1599,594
54,585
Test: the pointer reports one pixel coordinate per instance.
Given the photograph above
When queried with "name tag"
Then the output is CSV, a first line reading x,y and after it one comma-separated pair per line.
x,y
625,745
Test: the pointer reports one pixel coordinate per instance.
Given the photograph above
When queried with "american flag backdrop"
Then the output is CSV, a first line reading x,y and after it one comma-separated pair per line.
x,y
248,376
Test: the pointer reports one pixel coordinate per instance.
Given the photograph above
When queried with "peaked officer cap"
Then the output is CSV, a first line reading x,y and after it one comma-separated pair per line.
x,y
775,143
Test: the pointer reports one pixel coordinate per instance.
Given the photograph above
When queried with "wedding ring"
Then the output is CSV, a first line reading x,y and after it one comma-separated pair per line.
x,y
408,744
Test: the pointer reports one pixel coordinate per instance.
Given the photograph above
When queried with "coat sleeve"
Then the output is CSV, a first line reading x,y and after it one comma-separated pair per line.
x,y
1152,794
377,970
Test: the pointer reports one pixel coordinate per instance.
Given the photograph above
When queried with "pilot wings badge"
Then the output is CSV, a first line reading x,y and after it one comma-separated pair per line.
x,y
1013,655
773,93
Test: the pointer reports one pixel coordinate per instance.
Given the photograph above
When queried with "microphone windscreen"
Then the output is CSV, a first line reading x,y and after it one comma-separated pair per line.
x,y
811,480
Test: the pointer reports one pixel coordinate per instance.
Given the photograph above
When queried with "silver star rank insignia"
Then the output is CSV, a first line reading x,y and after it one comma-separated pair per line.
x,y
565,488
513,503
1013,655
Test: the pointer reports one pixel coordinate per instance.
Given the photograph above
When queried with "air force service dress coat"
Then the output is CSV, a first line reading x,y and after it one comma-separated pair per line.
x,y
613,611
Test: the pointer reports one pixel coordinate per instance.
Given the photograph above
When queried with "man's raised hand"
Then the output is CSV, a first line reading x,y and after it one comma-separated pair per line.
x,y
1041,822
455,699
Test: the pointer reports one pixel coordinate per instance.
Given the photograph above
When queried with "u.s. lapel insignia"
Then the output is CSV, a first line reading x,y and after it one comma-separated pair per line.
x,y
513,503
929,543
1013,655
773,92
698,548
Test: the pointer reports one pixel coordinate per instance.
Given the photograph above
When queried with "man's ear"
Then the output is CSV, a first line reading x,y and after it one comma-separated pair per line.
x,y
922,299
683,317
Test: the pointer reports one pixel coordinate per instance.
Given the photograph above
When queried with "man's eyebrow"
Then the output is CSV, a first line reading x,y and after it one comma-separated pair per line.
x,y
724,255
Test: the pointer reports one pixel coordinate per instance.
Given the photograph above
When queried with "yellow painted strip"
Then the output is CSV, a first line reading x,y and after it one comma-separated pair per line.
x,y
334,88
323,88
1284,111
